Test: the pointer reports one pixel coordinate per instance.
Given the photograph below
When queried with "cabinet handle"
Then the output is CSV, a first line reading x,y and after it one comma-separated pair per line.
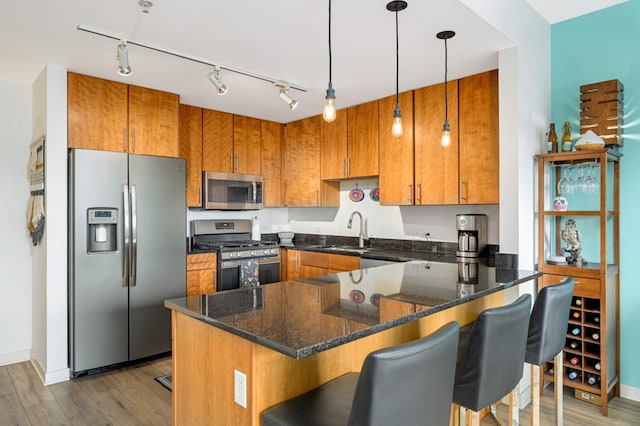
x,y
124,139
462,184
231,163
317,197
348,166
344,167
198,262
409,197
133,140
418,193
237,163
344,327
297,261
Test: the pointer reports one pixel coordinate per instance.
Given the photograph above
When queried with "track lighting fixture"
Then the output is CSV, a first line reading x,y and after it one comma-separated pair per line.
x,y
284,95
446,129
124,68
396,128
214,77
329,112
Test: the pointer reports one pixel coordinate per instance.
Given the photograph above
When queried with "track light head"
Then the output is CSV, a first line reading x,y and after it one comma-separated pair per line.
x,y
214,77
124,69
284,95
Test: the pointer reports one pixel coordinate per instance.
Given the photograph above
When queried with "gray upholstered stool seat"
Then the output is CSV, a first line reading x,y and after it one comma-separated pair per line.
x,y
546,339
407,384
491,356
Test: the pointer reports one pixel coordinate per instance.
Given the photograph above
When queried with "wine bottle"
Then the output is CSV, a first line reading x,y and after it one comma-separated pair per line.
x,y
592,380
578,302
576,315
573,344
595,336
574,360
552,139
575,331
573,374
596,319
567,140
597,366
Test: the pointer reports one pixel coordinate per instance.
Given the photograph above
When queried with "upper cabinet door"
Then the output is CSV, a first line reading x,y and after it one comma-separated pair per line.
x,y
362,137
246,145
153,122
479,139
396,153
301,166
436,174
271,160
333,155
217,141
191,151
97,113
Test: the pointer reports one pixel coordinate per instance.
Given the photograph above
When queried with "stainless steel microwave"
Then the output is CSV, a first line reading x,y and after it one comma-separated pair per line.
x,y
229,191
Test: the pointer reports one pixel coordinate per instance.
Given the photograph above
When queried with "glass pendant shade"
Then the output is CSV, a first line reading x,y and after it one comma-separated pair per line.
x,y
446,135
329,112
396,127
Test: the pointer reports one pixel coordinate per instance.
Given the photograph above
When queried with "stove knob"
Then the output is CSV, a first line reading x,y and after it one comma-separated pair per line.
x,y
253,253
231,254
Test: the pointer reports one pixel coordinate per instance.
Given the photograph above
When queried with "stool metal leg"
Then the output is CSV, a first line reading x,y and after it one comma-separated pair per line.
x,y
557,388
535,395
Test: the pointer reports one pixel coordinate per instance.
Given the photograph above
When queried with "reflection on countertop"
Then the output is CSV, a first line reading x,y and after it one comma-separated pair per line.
x,y
302,317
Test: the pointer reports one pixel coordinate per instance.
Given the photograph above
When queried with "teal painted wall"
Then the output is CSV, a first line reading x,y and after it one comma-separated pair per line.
x,y
601,46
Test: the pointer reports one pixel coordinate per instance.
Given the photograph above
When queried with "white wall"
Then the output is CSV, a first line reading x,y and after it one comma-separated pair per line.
x,y
15,252
50,258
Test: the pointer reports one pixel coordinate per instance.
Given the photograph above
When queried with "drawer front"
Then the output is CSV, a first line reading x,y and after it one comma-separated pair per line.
x,y
584,287
201,261
312,258
342,262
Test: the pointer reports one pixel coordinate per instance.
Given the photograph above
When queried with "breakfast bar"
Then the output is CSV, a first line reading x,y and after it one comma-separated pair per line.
x,y
239,352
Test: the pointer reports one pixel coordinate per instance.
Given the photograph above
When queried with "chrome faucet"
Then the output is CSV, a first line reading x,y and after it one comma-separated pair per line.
x,y
361,235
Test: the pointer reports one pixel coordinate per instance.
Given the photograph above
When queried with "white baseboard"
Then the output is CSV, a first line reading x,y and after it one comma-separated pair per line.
x,y
15,357
50,377
630,392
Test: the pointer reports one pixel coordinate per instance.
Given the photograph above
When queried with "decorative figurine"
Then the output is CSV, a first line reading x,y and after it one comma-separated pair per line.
x,y
572,238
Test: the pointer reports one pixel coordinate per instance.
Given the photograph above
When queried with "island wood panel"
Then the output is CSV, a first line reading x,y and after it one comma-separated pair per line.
x,y
271,163
191,151
333,142
396,153
97,116
479,139
301,166
217,141
153,122
362,140
436,167
247,133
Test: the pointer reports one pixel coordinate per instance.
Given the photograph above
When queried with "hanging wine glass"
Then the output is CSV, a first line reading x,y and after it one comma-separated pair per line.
x,y
592,182
563,183
581,183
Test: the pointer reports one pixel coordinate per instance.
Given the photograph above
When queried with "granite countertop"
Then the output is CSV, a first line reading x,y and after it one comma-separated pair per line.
x,y
303,317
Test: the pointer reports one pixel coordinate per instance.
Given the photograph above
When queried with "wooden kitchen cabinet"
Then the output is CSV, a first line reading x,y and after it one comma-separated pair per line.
x,y
479,139
247,135
302,186
201,273
333,143
113,116
271,161
217,141
594,313
362,140
436,167
396,153
391,309
191,151
307,264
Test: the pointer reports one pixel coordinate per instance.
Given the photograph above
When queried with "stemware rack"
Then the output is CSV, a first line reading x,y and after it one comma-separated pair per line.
x,y
591,353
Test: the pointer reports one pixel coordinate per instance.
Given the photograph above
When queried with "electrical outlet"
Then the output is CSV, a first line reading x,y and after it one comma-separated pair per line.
x,y
240,388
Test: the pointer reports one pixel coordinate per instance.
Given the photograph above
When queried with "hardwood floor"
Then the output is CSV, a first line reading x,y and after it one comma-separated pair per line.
x,y
131,396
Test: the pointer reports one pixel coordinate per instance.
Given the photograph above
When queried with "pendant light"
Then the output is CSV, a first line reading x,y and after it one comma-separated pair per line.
x,y
329,112
396,127
446,129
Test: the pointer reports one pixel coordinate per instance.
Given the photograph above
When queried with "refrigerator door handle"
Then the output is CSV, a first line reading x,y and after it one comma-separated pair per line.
x,y
134,236
127,226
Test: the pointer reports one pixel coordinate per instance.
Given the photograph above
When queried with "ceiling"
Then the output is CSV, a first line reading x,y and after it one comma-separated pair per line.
x,y
281,39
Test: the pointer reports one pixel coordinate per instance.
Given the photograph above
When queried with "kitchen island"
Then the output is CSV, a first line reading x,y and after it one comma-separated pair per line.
x,y
289,337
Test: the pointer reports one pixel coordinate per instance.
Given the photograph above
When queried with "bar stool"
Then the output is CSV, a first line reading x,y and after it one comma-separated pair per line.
x,y
546,339
490,357
406,384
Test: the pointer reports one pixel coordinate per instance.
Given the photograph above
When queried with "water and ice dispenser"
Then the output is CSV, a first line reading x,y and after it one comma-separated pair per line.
x,y
102,230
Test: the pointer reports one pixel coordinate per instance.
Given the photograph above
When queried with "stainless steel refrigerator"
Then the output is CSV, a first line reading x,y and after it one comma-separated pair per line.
x,y
127,233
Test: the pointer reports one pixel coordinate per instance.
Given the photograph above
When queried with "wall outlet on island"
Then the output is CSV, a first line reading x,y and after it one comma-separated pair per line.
x,y
279,228
240,388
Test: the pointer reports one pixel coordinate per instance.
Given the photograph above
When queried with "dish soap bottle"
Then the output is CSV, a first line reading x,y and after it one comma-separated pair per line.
x,y
567,140
255,228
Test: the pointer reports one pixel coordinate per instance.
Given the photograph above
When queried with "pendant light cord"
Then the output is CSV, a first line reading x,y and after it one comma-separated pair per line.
x,y
446,91
330,78
397,60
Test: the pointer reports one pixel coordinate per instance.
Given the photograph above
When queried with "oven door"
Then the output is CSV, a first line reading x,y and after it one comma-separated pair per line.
x,y
230,273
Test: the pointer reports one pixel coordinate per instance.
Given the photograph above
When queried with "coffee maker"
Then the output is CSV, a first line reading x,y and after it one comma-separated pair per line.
x,y
472,234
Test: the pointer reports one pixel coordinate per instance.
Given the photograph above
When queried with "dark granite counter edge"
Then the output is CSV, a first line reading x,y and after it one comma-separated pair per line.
x,y
332,343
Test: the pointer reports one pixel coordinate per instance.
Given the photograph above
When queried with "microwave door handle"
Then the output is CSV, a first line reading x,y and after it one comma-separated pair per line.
x,y
125,251
255,191
134,236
